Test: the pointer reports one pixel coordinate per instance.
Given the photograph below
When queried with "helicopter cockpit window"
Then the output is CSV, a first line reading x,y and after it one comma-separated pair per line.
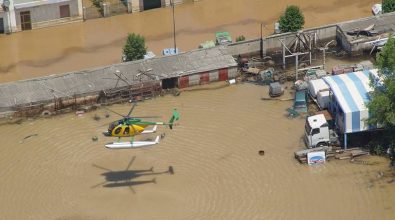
x,y
118,130
126,131
112,125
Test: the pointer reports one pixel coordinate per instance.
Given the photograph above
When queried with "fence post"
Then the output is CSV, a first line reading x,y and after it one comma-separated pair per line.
x,y
129,5
106,9
84,13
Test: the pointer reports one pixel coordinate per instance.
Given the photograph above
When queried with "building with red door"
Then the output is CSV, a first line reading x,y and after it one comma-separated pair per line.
x,y
31,14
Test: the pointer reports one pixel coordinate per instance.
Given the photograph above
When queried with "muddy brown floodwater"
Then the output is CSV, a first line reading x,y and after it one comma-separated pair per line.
x,y
218,174
99,42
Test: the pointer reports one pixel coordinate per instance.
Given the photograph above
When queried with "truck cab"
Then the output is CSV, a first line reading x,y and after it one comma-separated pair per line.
x,y
317,132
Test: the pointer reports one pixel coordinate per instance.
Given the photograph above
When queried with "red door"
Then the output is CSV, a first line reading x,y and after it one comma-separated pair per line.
x,y
183,82
204,78
223,74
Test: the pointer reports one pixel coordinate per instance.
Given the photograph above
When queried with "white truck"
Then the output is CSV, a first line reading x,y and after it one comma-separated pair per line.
x,y
318,132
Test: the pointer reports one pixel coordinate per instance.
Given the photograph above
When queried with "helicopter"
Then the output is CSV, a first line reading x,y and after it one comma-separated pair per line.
x,y
131,126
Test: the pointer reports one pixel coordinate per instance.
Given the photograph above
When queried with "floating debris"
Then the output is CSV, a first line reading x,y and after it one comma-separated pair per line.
x,y
171,170
79,113
27,137
261,152
96,117
95,138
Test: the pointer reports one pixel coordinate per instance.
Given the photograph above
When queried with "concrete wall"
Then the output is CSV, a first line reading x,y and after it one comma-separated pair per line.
x,y
342,40
271,44
213,76
45,13
166,3
232,72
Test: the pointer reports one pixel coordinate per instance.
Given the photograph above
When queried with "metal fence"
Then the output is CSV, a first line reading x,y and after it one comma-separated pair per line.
x,y
118,8
92,12
108,9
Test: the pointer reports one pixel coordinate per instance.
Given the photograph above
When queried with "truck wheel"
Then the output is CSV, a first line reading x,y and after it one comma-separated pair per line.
x,y
321,144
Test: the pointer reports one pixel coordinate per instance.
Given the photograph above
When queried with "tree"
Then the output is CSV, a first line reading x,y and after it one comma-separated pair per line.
x,y
292,20
134,48
240,38
388,6
382,103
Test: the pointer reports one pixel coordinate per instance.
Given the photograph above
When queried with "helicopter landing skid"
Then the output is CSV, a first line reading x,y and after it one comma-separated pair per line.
x,y
153,130
131,145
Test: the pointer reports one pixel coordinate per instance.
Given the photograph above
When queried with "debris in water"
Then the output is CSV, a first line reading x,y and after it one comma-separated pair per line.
x,y
261,152
79,113
96,117
95,138
171,170
27,137
107,115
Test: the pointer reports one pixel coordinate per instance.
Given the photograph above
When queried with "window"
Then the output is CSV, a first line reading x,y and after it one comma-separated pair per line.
x,y
26,22
315,131
64,11
117,130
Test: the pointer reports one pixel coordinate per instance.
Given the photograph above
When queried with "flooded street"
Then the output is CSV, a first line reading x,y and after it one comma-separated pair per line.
x,y
218,174
52,169
99,42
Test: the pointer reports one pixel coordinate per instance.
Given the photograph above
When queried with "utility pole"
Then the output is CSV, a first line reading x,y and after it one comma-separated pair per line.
x,y
174,26
261,45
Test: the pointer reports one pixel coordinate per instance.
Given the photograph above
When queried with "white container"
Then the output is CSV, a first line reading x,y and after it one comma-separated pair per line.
x,y
317,157
232,81
317,85
323,99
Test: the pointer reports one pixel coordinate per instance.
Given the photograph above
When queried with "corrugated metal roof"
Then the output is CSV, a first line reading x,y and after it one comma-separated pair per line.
x,y
95,80
382,24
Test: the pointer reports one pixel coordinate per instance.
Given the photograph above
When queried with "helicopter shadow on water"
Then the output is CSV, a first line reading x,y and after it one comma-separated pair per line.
x,y
126,178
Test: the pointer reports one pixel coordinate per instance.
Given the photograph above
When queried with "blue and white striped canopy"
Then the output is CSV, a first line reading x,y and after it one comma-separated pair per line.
x,y
351,92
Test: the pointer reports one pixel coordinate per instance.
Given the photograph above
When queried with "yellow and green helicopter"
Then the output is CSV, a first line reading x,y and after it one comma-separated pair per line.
x,y
131,126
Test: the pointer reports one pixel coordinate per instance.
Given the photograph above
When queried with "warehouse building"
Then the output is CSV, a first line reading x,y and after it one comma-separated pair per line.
x,y
134,78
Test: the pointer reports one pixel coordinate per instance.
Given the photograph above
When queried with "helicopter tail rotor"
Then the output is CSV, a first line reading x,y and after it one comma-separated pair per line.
x,y
174,117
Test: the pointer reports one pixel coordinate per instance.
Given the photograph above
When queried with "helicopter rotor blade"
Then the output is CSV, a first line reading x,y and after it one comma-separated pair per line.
x,y
130,112
147,117
130,163
114,112
131,188
103,168
99,184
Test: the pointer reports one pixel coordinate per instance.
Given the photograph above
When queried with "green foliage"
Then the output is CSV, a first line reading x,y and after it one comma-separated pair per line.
x,y
98,5
292,20
240,38
135,48
382,104
388,6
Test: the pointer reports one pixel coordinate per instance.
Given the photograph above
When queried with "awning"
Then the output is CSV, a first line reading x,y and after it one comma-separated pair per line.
x,y
352,93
